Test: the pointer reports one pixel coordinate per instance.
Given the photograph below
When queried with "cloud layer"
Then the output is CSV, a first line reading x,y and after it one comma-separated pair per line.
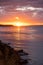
x,y
31,8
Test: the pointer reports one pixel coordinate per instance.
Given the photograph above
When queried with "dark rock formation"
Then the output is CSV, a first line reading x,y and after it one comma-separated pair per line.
x,y
22,53
8,56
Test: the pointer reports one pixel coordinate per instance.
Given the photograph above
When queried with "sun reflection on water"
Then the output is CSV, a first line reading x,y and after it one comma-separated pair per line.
x,y
18,33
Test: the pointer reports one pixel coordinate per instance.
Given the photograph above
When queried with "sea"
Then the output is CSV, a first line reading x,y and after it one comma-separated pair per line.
x,y
28,38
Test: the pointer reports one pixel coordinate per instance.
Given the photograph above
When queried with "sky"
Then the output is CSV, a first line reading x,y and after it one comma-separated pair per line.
x,y
28,11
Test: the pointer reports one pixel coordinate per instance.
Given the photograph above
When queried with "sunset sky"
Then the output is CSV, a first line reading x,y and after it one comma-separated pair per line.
x,y
27,12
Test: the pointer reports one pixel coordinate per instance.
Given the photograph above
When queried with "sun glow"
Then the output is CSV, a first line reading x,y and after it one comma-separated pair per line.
x,y
18,24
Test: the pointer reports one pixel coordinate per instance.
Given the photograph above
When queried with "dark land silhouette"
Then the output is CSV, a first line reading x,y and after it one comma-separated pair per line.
x,y
9,56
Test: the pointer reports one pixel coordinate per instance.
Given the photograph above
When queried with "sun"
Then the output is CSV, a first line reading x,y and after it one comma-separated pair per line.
x,y
18,24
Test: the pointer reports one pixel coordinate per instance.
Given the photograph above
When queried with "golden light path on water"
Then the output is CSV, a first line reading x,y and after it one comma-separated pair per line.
x,y
18,30
18,37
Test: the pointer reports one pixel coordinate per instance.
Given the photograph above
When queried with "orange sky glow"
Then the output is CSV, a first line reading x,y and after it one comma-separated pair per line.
x,y
21,12
19,21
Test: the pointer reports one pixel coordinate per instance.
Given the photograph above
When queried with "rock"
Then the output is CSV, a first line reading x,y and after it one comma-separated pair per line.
x,y
24,61
24,56
19,51
0,41
22,53
8,56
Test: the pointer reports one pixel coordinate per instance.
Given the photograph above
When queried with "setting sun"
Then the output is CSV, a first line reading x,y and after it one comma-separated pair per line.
x,y
20,24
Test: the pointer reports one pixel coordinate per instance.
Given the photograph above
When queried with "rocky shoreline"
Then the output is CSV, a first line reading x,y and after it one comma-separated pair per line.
x,y
9,56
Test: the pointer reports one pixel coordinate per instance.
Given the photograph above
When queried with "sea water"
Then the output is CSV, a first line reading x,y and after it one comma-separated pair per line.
x,y
29,38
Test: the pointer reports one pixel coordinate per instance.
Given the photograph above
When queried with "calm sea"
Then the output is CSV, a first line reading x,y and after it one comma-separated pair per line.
x,y
28,38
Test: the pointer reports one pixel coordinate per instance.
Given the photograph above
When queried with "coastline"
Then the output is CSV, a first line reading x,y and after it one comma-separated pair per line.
x,y
9,56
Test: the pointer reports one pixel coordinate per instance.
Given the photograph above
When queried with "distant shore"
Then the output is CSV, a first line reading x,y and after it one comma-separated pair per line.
x,y
16,26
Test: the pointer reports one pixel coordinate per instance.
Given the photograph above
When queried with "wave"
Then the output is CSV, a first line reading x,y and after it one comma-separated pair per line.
x,y
2,32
